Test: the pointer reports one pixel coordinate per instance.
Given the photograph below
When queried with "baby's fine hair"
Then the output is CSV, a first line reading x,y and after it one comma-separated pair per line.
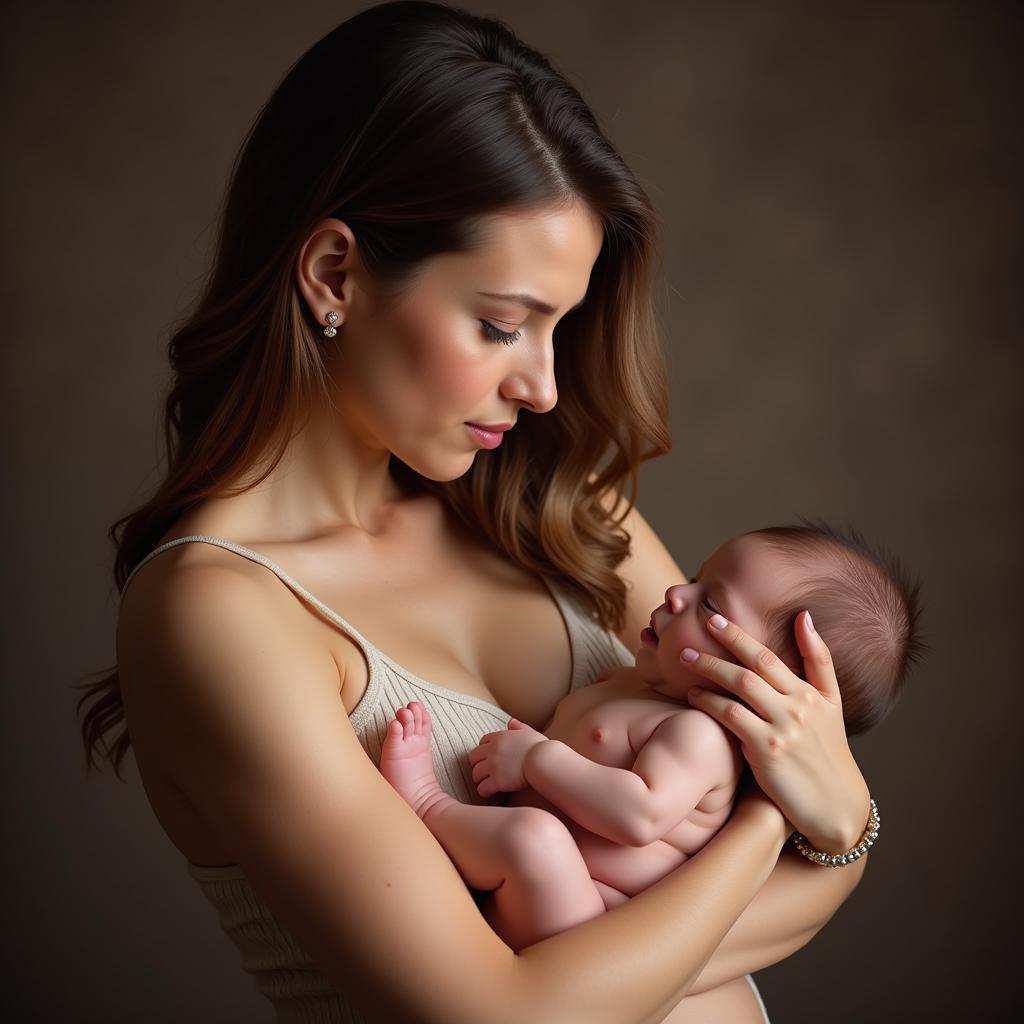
x,y
864,604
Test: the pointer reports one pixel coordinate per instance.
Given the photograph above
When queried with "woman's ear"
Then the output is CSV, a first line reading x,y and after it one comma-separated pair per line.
x,y
323,270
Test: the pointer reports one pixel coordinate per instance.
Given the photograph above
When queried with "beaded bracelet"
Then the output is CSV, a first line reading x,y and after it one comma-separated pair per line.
x,y
836,860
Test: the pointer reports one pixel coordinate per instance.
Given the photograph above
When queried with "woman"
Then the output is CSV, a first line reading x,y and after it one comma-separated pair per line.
x,y
424,232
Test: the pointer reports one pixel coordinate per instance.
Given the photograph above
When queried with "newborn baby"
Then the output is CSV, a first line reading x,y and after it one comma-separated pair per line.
x,y
628,780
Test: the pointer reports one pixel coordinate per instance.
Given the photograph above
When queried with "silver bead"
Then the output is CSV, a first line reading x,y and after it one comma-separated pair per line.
x,y
835,860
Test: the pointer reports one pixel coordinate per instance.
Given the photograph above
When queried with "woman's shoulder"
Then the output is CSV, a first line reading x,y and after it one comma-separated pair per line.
x,y
195,611
198,570
208,658
181,577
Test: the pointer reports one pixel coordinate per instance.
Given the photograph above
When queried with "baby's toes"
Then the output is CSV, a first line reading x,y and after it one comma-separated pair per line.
x,y
421,719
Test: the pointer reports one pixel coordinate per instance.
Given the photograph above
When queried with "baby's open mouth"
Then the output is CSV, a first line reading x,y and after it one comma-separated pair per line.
x,y
649,635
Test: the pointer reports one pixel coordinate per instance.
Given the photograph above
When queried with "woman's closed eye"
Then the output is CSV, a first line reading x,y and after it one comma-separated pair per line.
x,y
505,337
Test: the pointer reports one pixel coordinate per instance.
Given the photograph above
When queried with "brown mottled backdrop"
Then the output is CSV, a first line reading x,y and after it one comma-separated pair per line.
x,y
839,192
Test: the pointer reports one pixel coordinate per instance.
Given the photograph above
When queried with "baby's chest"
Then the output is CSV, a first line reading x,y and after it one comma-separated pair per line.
x,y
609,733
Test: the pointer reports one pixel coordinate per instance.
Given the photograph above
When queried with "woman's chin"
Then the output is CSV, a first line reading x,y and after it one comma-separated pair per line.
x,y
439,468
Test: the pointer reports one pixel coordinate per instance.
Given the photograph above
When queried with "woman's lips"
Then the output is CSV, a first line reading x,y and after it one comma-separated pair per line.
x,y
486,438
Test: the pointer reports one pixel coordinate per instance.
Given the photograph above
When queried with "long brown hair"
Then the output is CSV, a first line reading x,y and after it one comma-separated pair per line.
x,y
410,121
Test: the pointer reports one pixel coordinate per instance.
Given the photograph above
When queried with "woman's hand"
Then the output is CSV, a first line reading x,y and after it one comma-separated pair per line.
x,y
751,799
791,731
498,758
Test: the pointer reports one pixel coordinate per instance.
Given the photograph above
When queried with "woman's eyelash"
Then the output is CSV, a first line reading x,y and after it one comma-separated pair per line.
x,y
504,337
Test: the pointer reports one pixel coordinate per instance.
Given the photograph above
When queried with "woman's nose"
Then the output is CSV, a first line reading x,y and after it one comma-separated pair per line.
x,y
533,380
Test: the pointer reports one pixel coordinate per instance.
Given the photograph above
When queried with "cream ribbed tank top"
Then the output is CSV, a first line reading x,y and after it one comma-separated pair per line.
x,y
299,991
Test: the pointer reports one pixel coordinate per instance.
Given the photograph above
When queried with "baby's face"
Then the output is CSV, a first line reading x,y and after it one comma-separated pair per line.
x,y
743,580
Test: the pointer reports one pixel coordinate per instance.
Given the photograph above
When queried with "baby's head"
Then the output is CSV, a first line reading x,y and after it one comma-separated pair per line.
x,y
863,604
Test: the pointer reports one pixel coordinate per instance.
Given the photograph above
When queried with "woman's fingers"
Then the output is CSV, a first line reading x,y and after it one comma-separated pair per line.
x,y
818,668
754,655
761,697
740,721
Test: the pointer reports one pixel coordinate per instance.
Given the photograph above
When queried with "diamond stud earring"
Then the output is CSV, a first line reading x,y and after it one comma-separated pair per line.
x,y
330,330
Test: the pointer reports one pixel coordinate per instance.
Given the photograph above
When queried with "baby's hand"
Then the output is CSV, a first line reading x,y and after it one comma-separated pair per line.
x,y
499,756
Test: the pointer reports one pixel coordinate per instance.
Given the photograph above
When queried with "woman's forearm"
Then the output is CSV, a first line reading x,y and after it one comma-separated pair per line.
x,y
788,911
634,963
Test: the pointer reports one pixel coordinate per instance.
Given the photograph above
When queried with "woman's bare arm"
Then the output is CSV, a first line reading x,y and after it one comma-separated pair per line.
x,y
252,729
791,908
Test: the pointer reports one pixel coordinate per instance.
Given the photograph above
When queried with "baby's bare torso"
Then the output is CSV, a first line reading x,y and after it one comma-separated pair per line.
x,y
609,722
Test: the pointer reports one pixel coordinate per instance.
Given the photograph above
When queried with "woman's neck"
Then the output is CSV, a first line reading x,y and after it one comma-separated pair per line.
x,y
327,479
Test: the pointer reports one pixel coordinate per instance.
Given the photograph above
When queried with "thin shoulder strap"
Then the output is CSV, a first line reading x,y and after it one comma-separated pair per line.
x,y
368,649
253,556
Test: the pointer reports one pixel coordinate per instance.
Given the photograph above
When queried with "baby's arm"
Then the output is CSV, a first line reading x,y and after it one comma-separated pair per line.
x,y
686,756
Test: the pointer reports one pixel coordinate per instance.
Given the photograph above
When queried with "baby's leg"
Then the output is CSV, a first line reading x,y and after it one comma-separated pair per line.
x,y
612,897
524,855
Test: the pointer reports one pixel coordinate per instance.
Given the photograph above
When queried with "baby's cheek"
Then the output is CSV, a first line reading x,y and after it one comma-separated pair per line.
x,y
715,648
687,632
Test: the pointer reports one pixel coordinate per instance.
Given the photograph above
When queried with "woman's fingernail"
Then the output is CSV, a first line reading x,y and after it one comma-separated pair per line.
x,y
718,622
810,623
689,654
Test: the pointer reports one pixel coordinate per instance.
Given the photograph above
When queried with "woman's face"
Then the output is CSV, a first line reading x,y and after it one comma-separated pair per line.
x,y
412,373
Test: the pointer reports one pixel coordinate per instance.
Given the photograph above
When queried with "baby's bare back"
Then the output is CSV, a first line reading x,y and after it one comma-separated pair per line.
x,y
609,723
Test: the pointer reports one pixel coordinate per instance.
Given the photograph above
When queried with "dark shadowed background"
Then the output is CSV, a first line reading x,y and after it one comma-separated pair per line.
x,y
839,192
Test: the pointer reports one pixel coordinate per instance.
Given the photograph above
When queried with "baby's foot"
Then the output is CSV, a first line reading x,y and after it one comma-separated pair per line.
x,y
405,759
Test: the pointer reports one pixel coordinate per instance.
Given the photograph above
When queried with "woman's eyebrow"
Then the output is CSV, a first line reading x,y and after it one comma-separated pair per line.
x,y
530,302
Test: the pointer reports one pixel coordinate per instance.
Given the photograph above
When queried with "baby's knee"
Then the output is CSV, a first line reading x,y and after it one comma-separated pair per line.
x,y
536,839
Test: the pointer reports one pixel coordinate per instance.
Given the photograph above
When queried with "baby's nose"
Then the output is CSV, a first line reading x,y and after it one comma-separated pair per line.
x,y
675,598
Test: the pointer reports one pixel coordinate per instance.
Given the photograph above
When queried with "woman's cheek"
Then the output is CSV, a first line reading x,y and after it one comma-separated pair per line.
x,y
465,387
456,373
